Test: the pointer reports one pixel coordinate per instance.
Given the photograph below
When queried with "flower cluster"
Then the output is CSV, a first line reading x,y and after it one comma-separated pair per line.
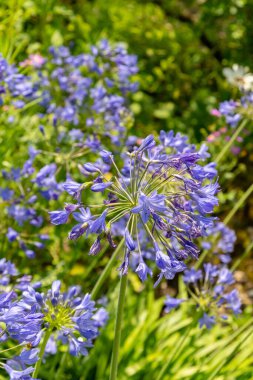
x,y
210,291
220,240
15,88
37,319
83,96
87,90
162,195
19,200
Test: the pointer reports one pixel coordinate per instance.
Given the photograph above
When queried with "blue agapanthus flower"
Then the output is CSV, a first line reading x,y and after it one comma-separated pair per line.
x,y
68,316
62,318
22,200
220,240
7,271
210,293
161,194
101,78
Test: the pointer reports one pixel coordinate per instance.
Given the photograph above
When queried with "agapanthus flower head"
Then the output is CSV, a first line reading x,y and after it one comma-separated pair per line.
x,y
161,194
67,83
7,271
220,240
210,289
70,317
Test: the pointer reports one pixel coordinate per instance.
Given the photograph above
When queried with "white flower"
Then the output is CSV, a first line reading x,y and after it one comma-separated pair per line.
x,y
239,76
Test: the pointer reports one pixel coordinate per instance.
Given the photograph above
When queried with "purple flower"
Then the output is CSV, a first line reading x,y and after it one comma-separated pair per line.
x,y
21,374
149,204
172,303
96,247
147,143
143,270
12,234
129,241
73,188
192,276
97,187
160,193
207,321
59,217
99,224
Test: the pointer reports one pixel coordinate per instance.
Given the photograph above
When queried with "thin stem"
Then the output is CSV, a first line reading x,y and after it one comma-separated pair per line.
x,y
59,373
230,142
118,326
41,354
11,348
244,255
106,271
238,204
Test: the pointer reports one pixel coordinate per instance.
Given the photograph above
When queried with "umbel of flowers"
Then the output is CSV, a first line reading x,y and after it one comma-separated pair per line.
x,y
210,291
40,322
159,199
81,96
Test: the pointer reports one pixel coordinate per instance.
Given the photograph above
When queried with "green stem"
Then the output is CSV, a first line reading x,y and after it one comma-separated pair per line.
x,y
244,255
41,354
231,141
58,375
238,204
118,325
106,271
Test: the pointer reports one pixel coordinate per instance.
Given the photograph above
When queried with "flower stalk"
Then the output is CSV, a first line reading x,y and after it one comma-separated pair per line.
x,y
231,141
106,271
118,327
41,353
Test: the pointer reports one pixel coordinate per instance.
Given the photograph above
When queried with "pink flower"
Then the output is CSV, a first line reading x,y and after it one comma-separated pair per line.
x,y
35,60
215,112
210,138
235,150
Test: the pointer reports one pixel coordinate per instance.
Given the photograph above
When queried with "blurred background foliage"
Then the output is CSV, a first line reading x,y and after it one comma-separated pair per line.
x,y
182,47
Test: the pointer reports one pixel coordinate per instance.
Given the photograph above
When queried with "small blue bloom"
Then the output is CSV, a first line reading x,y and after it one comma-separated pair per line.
x,y
97,187
129,241
59,217
207,321
172,303
99,224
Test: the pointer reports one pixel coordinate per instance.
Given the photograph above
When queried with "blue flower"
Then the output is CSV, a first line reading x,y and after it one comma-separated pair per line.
x,y
207,321
143,270
192,276
98,225
129,241
161,193
73,188
97,187
172,303
59,217
12,234
20,374
153,203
